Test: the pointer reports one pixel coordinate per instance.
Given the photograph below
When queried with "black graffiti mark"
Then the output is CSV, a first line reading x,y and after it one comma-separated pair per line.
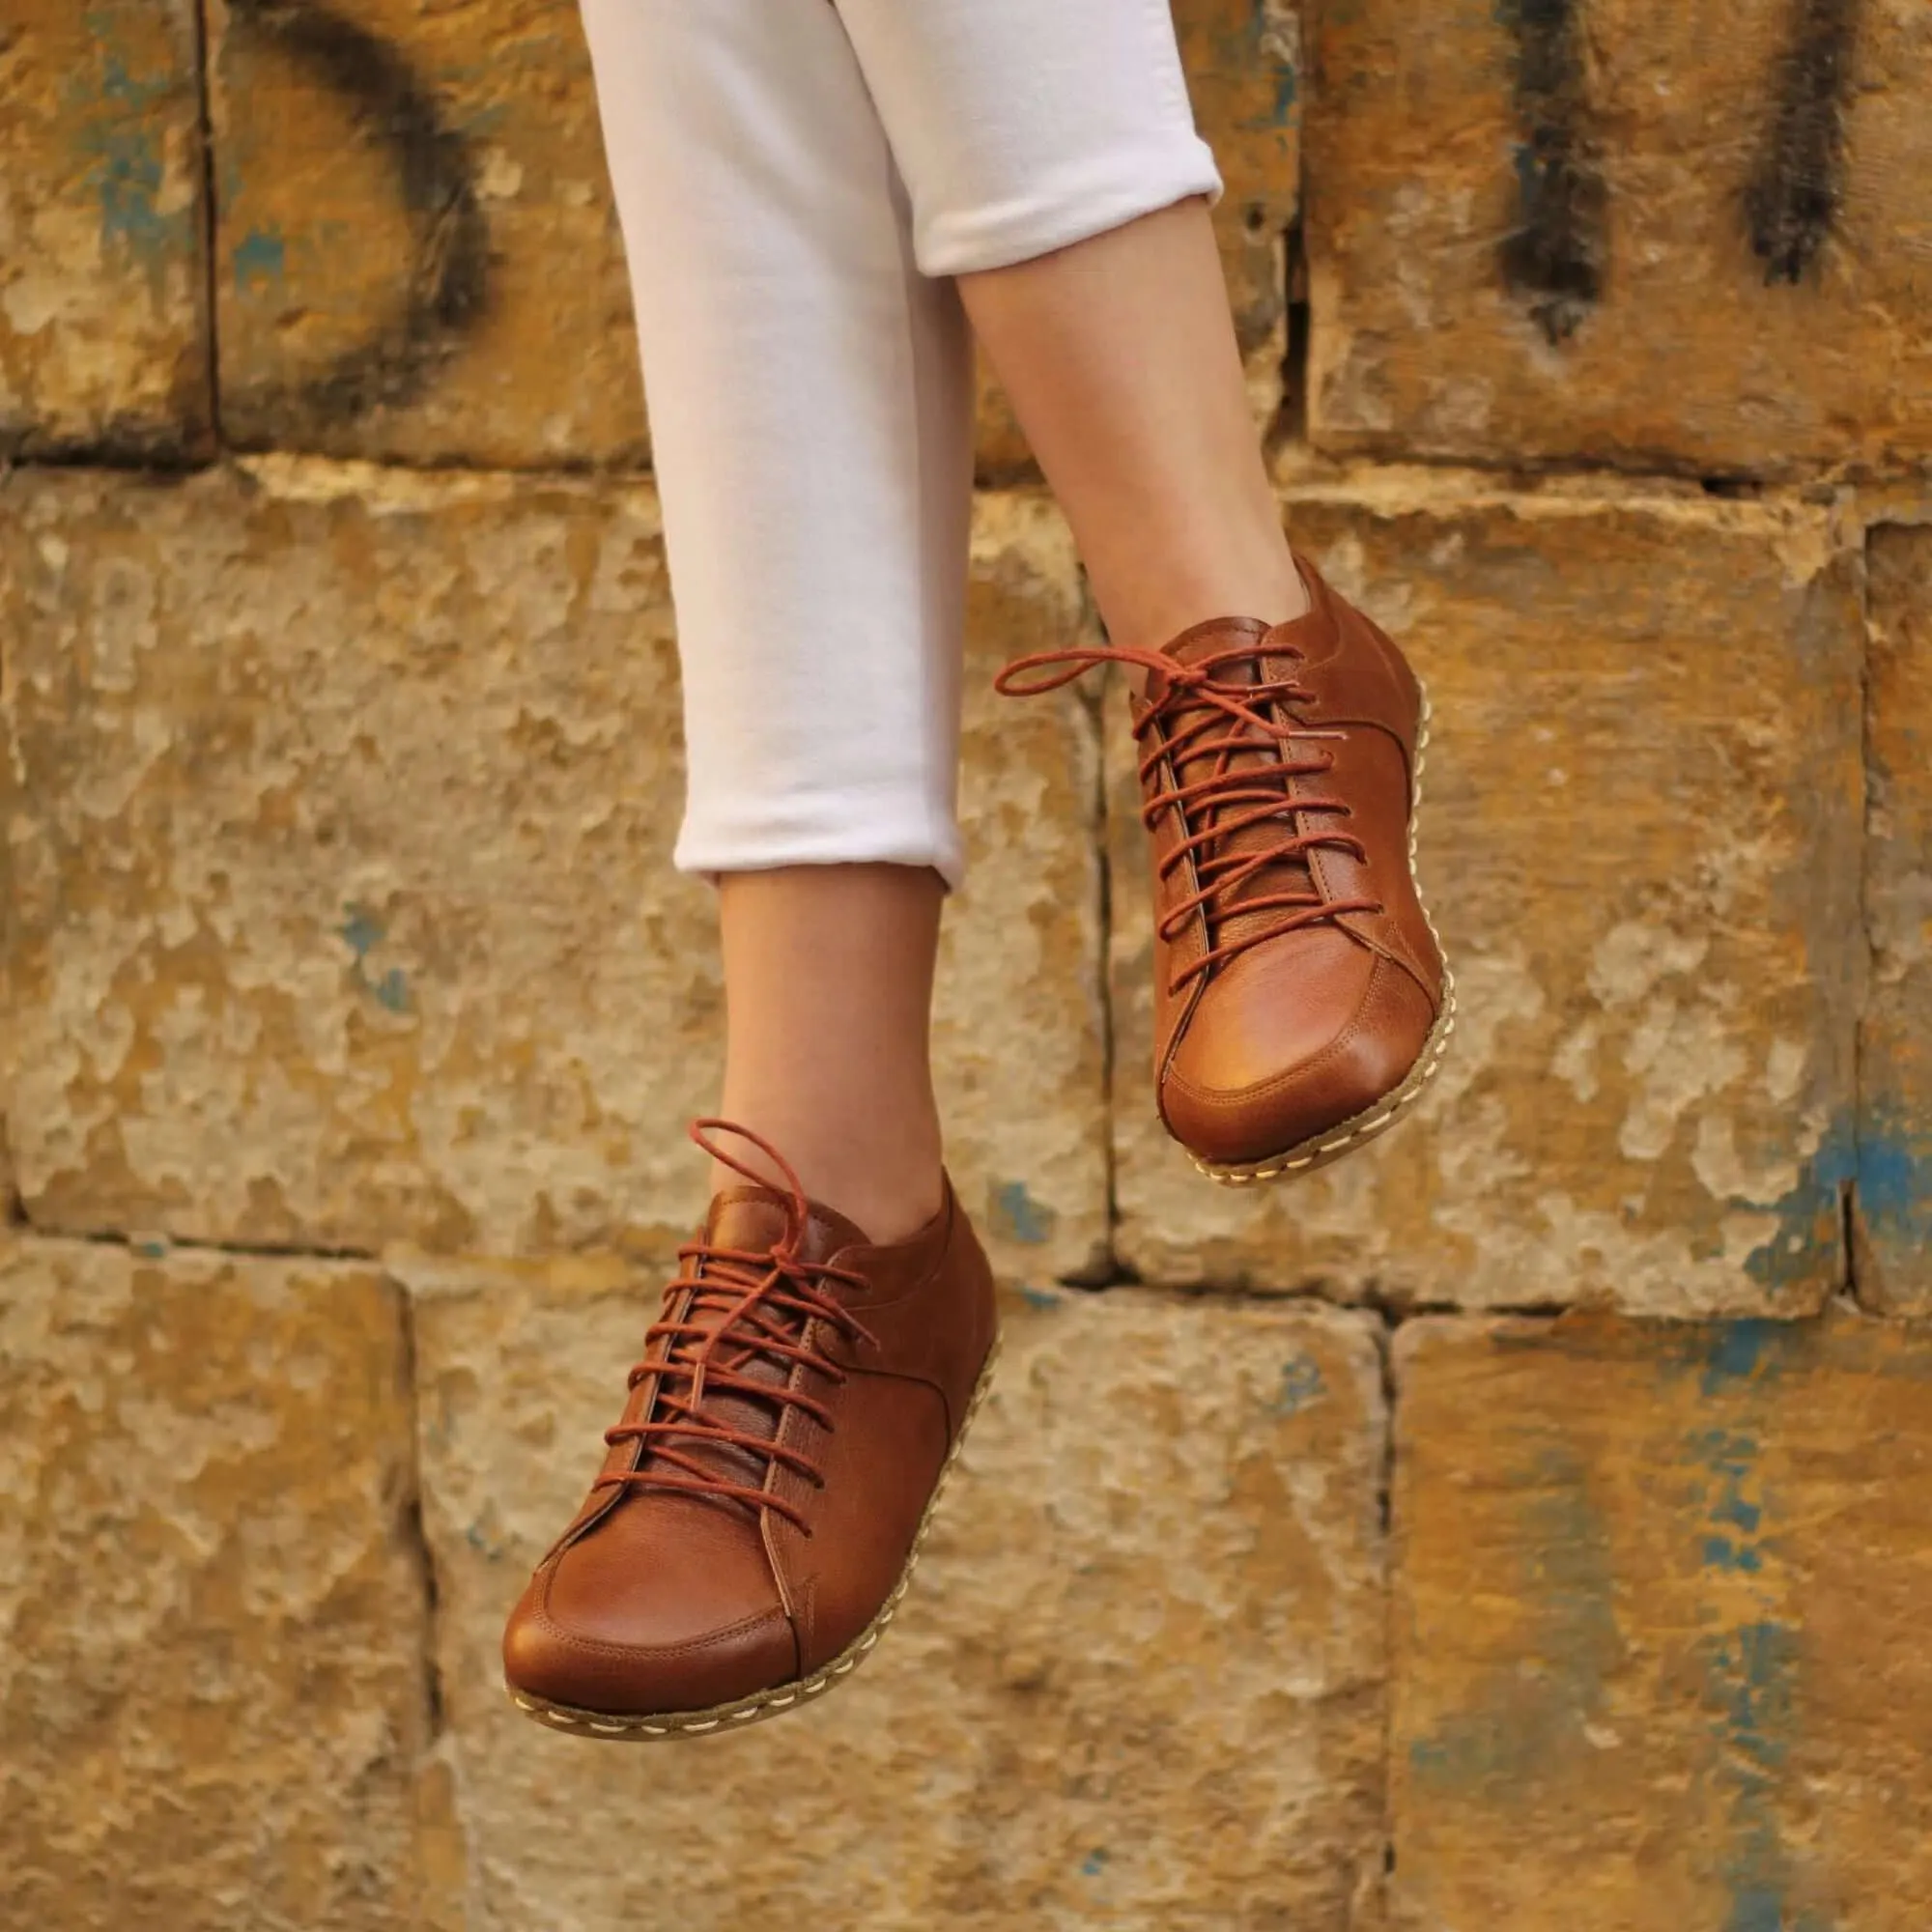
x,y
1555,256
445,287
1792,201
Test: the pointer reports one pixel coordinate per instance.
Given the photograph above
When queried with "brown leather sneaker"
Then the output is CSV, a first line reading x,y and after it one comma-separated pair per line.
x,y
801,1398
1301,1000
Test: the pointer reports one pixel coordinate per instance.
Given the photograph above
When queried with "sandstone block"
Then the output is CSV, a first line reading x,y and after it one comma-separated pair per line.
x,y
103,335
1645,233
1137,1683
1641,827
1894,1192
213,1688
339,811
1244,76
339,814
1657,1630
416,255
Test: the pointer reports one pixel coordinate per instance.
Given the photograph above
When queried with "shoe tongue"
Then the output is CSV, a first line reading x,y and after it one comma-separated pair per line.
x,y
1218,635
753,1220
1217,638
757,1219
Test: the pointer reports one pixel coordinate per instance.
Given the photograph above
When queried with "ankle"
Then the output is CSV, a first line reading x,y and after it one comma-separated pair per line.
x,y
878,1165
887,1205
1264,586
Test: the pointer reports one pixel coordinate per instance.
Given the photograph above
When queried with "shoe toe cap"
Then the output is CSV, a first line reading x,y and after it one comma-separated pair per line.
x,y
1349,1062
595,1637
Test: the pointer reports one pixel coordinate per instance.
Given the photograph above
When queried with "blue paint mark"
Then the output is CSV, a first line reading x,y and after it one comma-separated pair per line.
x,y
1038,1298
1754,1349
1750,1669
1721,1553
1525,1725
1749,1673
1809,1227
1730,1456
1259,47
125,175
1095,1862
153,1248
1735,1350
1020,1216
259,256
117,84
1733,1508
482,1537
1301,1383
1895,1179
125,172
361,932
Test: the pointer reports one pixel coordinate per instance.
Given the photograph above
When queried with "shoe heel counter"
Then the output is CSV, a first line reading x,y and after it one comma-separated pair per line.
x,y
1398,676
981,1325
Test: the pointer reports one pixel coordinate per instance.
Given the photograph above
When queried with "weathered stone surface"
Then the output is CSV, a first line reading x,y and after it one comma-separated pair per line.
x,y
1019,1040
212,1678
102,337
1893,1191
340,809
1658,1636
1244,72
1137,1683
339,814
416,255
1640,828
1645,233
1244,59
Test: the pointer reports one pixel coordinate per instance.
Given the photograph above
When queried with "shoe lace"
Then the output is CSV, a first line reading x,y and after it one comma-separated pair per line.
x,y
748,1308
1238,817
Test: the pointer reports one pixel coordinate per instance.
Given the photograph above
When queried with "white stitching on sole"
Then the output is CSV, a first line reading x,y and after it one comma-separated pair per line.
x,y
1365,1127
781,1696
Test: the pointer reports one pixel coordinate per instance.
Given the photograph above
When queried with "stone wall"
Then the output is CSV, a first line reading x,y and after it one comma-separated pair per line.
x,y
1524,1523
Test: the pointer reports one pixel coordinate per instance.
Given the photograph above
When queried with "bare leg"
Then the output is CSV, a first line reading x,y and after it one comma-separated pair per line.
x,y
828,973
811,403
1120,356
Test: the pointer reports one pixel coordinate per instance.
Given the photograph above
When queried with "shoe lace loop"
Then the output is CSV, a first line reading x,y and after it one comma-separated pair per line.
x,y
1248,784
749,1307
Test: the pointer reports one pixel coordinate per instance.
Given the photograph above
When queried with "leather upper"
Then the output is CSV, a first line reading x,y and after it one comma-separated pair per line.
x,y
1300,1029
661,1598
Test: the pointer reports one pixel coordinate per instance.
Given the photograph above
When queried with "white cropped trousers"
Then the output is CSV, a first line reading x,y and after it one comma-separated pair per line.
x,y
798,182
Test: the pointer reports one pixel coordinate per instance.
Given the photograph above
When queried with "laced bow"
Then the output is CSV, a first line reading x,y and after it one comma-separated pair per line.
x,y
1248,786
749,1307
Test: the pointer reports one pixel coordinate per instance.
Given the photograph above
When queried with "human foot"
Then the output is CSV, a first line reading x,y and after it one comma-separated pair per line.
x,y
1301,1000
802,1396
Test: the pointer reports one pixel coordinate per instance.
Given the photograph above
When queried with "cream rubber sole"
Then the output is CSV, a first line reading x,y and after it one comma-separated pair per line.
x,y
742,1711
1334,1141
